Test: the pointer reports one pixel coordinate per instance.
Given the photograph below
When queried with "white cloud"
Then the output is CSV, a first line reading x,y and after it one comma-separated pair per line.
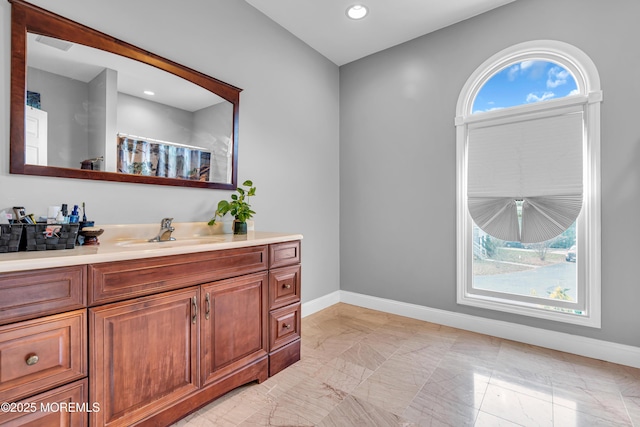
x,y
513,72
488,109
557,76
532,97
574,92
526,64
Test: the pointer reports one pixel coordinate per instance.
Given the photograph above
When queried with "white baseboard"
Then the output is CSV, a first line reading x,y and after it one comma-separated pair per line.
x,y
320,303
575,344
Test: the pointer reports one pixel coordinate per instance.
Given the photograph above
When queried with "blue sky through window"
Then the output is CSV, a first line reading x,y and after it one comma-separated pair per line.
x,y
524,83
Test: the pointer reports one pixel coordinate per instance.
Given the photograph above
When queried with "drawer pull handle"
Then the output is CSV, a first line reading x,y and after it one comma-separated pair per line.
x,y
194,305
208,306
286,326
286,286
32,359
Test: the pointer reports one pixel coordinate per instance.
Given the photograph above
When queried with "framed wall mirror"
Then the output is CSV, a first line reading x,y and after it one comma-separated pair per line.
x,y
86,105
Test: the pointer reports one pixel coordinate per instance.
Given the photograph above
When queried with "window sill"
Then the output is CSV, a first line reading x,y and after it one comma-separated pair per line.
x,y
509,306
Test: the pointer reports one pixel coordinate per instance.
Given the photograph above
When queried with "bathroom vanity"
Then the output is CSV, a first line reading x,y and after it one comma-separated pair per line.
x,y
127,334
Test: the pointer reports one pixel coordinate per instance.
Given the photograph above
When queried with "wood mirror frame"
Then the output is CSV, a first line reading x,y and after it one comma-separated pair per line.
x,y
26,18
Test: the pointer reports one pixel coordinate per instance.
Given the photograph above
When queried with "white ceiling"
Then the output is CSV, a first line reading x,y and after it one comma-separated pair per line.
x,y
84,63
323,24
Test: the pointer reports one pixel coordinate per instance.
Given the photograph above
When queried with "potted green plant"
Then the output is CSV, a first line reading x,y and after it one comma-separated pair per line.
x,y
239,207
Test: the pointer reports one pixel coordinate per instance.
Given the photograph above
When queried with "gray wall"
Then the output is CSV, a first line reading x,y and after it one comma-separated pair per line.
x,y
103,98
65,100
213,128
289,124
141,117
397,156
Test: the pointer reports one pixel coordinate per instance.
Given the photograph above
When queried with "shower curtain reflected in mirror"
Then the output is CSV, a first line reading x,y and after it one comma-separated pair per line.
x,y
145,156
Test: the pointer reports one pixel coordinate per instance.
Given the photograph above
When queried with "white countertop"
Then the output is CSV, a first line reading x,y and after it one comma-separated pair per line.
x,y
124,242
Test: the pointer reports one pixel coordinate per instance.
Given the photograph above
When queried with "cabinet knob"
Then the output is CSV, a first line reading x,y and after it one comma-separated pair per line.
x,y
286,326
286,286
32,359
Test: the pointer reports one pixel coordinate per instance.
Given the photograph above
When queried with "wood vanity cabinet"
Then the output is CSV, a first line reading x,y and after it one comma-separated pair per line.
x,y
157,357
146,341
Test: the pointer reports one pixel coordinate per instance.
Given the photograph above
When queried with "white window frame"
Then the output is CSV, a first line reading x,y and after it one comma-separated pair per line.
x,y
588,225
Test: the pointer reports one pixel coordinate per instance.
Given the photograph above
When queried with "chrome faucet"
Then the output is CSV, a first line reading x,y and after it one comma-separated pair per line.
x,y
164,235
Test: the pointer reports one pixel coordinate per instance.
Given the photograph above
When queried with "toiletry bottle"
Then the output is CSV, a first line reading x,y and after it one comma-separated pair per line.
x,y
52,214
73,218
65,214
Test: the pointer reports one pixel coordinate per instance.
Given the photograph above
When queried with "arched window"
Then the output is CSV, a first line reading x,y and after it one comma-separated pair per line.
x,y
528,207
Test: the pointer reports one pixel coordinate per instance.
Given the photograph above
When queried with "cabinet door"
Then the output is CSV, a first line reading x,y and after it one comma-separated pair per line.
x,y
234,330
143,355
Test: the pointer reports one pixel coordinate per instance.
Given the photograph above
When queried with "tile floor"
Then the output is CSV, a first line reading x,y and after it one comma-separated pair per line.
x,y
361,367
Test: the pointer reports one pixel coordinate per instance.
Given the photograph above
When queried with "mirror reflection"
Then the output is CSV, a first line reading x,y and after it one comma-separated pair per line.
x,y
94,110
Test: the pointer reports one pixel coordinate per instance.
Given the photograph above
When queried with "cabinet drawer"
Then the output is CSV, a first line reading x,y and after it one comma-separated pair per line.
x,y
284,326
281,254
114,281
50,409
284,286
30,294
40,354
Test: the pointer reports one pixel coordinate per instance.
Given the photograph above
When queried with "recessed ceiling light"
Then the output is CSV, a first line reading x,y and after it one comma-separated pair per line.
x,y
357,11
149,92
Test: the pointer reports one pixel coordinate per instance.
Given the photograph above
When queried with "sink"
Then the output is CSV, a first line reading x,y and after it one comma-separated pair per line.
x,y
146,244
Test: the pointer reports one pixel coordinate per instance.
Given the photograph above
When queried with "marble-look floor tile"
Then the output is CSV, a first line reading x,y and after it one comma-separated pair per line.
x,y
488,420
633,408
342,374
363,354
482,347
523,381
360,367
419,356
430,409
563,416
307,403
597,403
356,412
516,407
392,386
385,343
456,384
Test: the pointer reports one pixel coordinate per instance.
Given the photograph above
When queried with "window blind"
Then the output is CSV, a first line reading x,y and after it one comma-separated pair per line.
x,y
536,160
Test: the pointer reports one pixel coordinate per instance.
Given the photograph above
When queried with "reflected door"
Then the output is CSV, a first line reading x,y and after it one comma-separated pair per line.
x,y
36,133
